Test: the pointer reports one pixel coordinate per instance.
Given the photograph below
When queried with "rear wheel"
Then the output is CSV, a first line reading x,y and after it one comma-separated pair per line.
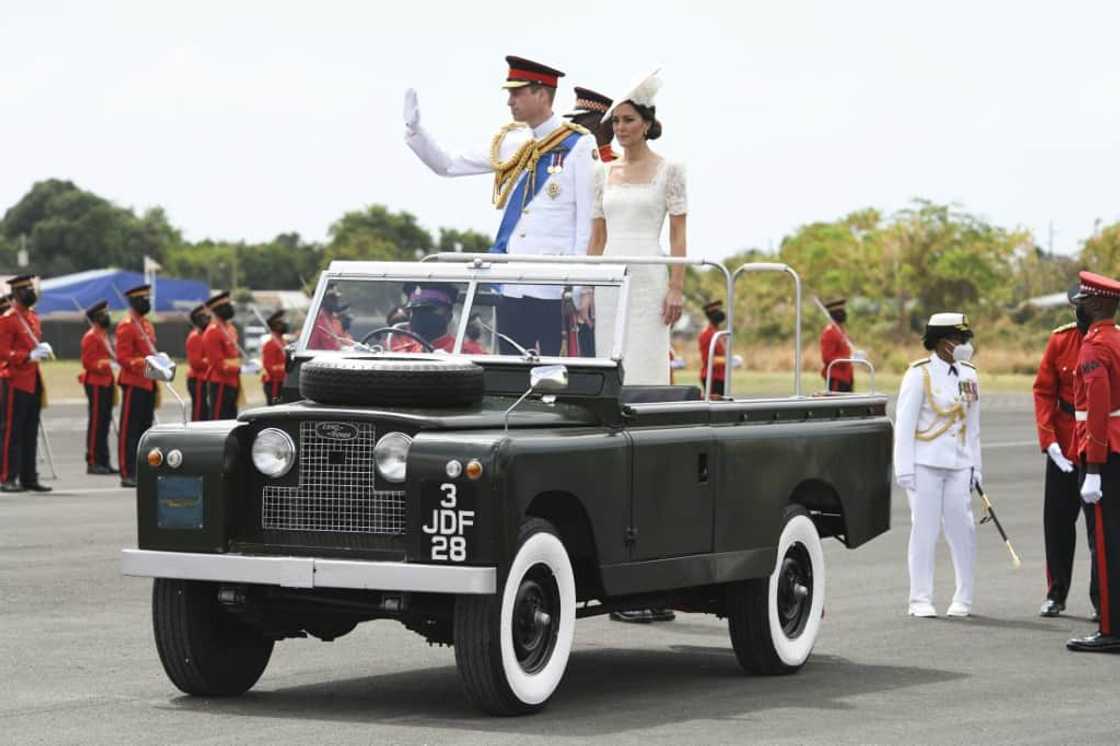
x,y
205,650
512,647
774,621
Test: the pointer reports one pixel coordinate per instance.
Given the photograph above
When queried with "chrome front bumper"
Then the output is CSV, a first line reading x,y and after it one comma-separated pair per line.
x,y
309,572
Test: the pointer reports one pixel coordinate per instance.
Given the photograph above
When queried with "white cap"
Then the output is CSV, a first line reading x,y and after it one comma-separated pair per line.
x,y
949,320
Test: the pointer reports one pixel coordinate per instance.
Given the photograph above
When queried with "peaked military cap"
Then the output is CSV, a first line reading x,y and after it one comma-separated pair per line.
x,y
523,72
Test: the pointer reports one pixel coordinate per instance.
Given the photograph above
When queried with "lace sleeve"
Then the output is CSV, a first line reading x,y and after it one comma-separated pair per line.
x,y
676,195
598,181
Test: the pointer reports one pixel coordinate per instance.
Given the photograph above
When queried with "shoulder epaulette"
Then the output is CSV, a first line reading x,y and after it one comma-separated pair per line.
x,y
968,365
916,363
1065,327
577,128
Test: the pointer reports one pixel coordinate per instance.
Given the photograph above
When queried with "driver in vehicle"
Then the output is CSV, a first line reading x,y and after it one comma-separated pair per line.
x,y
430,309
328,332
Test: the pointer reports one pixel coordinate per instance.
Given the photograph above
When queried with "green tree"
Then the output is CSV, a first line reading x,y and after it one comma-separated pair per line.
x,y
468,241
377,233
1101,251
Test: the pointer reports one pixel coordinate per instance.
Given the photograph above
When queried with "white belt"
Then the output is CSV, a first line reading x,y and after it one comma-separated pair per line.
x,y
1082,415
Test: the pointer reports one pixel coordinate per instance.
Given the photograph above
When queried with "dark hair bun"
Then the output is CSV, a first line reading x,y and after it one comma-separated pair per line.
x,y
654,130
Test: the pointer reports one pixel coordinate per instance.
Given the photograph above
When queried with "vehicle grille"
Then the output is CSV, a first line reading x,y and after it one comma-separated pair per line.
x,y
336,488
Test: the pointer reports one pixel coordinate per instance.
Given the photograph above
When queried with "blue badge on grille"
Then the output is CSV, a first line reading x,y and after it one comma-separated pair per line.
x,y
179,502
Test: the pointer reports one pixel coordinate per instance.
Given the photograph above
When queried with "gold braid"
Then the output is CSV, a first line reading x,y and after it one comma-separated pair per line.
x,y
951,415
525,158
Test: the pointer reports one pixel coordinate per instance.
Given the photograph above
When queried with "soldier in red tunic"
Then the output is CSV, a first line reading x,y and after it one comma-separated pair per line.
x,y
224,356
835,346
97,378
1098,406
272,357
21,388
716,317
326,330
197,365
1057,437
136,339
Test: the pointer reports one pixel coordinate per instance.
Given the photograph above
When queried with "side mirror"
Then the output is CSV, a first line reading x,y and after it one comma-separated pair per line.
x,y
159,368
548,379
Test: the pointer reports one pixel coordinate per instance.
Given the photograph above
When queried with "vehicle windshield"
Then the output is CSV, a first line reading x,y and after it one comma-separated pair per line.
x,y
465,317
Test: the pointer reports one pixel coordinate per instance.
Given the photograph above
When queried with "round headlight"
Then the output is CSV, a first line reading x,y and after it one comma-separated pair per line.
x,y
274,453
391,454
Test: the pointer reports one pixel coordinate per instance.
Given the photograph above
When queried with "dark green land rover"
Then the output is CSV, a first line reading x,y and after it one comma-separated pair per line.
x,y
429,468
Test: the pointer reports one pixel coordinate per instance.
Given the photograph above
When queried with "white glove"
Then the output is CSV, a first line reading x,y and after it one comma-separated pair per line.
x,y
40,351
36,354
906,481
736,361
677,363
977,479
859,355
411,110
164,359
1091,488
115,367
1054,451
251,367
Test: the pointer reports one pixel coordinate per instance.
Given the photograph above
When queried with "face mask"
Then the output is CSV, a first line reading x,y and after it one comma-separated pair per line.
x,y
962,353
330,302
103,321
428,323
224,312
141,305
26,297
201,321
281,327
1084,321
717,317
839,316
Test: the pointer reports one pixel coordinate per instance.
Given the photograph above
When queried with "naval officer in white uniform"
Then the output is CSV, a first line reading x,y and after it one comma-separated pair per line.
x,y
937,459
542,168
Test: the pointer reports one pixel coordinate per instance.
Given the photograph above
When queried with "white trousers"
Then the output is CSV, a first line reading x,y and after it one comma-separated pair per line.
x,y
941,499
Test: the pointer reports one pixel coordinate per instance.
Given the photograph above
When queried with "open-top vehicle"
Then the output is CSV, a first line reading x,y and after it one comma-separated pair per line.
x,y
488,500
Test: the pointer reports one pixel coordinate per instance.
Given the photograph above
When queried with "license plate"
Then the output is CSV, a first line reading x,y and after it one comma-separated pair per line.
x,y
447,521
179,502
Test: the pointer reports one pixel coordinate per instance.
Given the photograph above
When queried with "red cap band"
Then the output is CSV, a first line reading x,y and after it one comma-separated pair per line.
x,y
549,80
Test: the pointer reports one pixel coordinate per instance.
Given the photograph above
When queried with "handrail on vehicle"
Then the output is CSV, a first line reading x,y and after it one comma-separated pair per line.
x,y
711,364
853,360
774,267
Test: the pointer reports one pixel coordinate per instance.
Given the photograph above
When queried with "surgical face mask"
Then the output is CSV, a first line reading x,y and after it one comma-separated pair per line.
x,y
224,312
141,305
962,353
839,316
27,297
428,323
1084,320
717,317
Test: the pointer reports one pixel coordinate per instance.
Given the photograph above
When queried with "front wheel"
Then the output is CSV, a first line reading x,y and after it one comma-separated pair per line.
x,y
512,647
205,650
774,621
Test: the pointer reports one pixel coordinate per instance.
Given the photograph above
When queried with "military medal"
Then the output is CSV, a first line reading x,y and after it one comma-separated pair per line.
x,y
553,189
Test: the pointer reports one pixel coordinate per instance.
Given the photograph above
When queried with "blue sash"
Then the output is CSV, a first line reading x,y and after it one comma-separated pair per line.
x,y
518,201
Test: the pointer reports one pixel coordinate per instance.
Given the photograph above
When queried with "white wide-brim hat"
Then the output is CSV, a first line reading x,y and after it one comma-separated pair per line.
x,y
643,92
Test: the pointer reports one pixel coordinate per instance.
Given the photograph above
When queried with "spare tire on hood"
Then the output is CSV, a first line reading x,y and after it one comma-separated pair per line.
x,y
413,383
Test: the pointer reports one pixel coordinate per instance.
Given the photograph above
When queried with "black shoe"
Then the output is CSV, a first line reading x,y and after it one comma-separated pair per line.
x,y
11,486
128,482
99,469
38,487
662,615
1050,607
634,616
1096,615
1095,643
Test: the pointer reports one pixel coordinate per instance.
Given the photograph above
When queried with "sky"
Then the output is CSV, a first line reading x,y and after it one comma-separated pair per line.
x,y
244,120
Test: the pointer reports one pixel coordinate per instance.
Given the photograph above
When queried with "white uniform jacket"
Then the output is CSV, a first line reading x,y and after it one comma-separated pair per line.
x,y
551,225
944,432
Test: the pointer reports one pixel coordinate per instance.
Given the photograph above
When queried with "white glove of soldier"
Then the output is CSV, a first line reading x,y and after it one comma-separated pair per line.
x,y
1054,451
677,363
1091,488
906,481
40,351
411,110
859,355
251,367
736,361
115,367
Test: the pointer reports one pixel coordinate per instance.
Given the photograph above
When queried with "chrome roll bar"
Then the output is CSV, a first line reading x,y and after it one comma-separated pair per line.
x,y
778,267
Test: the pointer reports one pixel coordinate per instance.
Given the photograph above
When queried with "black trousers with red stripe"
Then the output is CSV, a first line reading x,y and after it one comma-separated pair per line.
x,y
272,391
1060,508
223,401
137,411
200,401
843,387
100,413
1106,535
21,434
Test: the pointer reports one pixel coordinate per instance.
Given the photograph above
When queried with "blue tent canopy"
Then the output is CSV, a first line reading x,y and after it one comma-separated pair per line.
x,y
87,288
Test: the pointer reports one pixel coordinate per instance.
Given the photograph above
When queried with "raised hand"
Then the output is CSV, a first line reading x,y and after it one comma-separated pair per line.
x,y
411,109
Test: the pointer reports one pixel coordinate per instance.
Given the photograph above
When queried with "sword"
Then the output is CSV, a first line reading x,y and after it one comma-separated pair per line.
x,y
990,515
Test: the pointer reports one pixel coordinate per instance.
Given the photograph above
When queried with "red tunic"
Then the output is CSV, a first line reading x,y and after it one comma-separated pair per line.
x,y
834,346
97,367
445,343
197,365
272,359
718,365
1054,391
221,353
136,339
16,344
1098,392
326,332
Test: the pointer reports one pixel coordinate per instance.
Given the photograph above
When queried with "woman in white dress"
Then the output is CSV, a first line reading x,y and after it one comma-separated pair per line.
x,y
631,199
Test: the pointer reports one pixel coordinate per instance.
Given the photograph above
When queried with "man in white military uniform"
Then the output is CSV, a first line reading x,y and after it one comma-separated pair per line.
x,y
542,168
937,459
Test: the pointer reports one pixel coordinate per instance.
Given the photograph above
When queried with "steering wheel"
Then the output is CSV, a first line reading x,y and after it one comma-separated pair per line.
x,y
406,332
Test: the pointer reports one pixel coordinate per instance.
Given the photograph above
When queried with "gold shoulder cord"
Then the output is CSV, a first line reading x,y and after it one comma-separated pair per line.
x,y
506,173
950,416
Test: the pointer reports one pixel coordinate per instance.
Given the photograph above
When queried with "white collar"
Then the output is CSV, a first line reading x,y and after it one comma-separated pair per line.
x,y
547,127
943,366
